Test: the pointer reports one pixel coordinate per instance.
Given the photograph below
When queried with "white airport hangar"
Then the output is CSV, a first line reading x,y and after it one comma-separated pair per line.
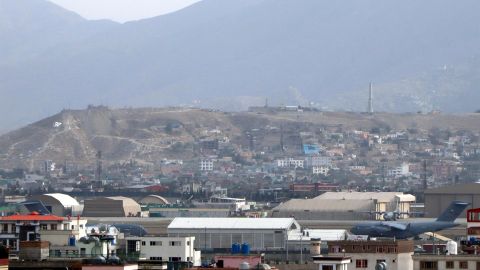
x,y
59,204
220,233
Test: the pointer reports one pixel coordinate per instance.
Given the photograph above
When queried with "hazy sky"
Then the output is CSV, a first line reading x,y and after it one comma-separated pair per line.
x,y
123,10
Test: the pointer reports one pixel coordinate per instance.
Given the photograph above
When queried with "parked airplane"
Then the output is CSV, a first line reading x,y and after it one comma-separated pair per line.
x,y
403,230
392,215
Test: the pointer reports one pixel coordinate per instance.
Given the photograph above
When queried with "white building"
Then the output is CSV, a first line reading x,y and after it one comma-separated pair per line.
x,y
290,162
206,165
220,233
320,170
402,170
172,249
318,161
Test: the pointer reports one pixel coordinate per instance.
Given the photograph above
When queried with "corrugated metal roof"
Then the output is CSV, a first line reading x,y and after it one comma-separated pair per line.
x,y
232,223
64,199
325,205
324,235
345,195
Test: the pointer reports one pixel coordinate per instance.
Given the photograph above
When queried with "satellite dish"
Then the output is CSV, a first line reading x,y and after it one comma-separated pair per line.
x,y
381,266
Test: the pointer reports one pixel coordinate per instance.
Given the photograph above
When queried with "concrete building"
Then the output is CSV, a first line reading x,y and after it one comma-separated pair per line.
x,y
206,165
59,204
445,262
332,262
344,205
397,255
290,162
111,207
219,234
156,248
438,199
320,170
34,227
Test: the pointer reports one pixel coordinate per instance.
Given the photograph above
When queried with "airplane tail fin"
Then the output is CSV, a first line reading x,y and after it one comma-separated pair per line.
x,y
453,211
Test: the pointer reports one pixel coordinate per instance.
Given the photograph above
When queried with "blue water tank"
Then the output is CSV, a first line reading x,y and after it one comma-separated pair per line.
x,y
236,248
72,241
245,249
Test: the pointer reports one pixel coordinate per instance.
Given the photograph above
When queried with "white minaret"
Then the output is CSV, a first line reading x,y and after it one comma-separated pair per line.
x,y
370,99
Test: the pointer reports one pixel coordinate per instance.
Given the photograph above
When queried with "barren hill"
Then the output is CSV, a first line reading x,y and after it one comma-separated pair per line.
x,y
149,135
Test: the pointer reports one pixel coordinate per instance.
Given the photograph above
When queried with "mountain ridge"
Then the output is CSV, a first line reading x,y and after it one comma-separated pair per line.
x,y
243,52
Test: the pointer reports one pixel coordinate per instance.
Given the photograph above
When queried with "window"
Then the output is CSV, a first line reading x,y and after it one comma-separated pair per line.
x,y
155,243
174,259
449,265
426,265
5,228
463,265
155,258
188,243
83,251
143,243
361,263
53,227
14,228
174,243
43,227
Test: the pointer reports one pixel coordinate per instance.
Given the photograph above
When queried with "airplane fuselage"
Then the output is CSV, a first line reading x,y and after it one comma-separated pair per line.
x,y
376,229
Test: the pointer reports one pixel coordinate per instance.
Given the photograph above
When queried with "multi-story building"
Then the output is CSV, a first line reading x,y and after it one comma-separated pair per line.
x,y
290,162
172,249
320,170
444,262
397,255
206,165
35,227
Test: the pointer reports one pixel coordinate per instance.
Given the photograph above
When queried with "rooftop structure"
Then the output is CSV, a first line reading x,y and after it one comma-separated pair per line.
x,y
396,255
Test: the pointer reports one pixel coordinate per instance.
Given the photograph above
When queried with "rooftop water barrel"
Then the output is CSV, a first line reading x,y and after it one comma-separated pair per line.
x,y
236,248
452,248
72,241
245,249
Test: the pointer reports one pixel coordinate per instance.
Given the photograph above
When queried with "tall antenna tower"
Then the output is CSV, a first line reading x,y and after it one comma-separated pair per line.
x,y
98,171
370,99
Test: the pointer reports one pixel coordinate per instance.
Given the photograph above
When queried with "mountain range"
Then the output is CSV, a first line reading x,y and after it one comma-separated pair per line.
x,y
230,54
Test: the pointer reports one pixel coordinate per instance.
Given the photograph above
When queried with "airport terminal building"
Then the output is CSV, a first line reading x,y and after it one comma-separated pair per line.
x,y
217,234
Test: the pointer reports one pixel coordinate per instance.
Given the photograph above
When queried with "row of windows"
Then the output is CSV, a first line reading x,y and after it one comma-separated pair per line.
x,y
427,265
363,263
170,259
5,228
170,243
378,249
